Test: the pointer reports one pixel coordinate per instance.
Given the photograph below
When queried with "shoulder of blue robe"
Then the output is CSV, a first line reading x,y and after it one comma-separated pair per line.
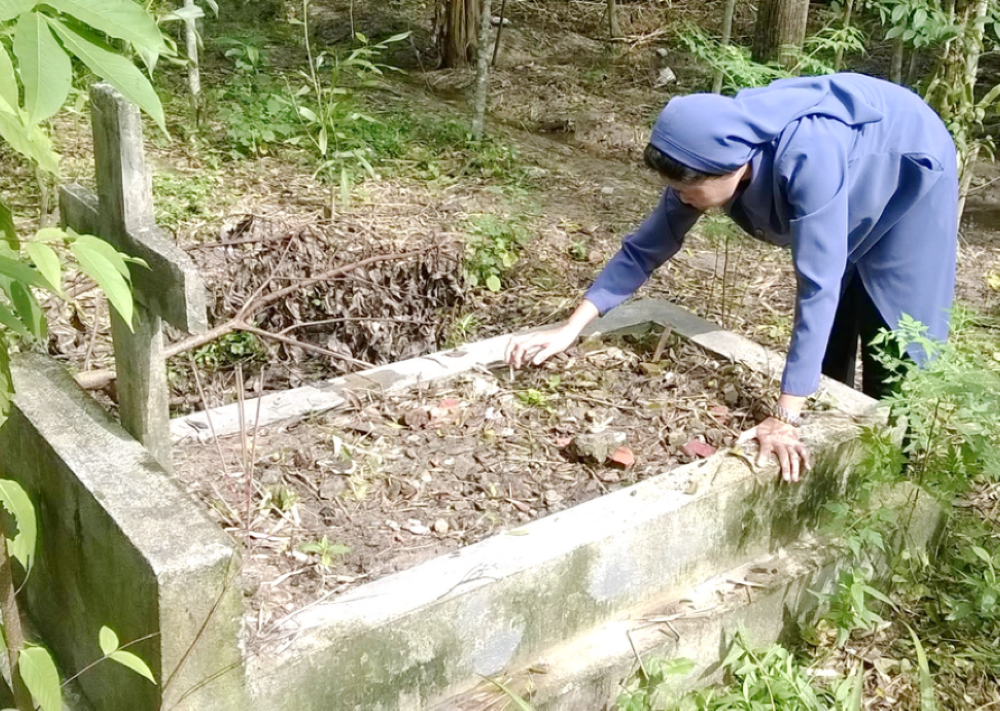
x,y
658,239
718,134
811,176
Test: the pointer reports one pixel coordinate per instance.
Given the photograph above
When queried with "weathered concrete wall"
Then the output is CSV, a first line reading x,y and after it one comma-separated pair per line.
x,y
120,545
585,673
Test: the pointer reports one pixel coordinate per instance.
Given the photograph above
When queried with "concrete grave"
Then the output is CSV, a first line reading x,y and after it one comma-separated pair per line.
x,y
124,547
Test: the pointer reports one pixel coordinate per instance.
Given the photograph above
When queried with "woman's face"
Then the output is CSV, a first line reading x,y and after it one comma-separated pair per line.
x,y
711,192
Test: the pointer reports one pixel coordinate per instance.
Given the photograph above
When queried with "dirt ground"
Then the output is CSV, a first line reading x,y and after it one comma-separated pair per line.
x,y
395,480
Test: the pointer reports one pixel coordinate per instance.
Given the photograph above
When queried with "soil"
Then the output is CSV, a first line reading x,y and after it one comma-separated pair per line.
x,y
402,478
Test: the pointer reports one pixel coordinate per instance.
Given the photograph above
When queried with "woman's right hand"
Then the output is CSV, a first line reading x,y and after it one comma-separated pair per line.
x,y
538,347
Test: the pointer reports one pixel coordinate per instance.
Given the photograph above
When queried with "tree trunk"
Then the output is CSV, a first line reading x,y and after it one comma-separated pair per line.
x,y
838,60
482,73
456,30
194,69
613,28
780,31
896,66
976,29
727,35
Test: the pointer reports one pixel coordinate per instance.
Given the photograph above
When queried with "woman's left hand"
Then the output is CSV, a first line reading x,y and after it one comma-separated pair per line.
x,y
781,440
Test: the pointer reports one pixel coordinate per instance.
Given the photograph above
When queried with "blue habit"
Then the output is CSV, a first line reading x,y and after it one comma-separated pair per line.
x,y
854,173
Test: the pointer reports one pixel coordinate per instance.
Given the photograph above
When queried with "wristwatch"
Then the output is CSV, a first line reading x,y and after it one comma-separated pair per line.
x,y
783,414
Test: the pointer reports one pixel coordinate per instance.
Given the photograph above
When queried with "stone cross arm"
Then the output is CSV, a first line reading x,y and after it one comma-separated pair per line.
x,y
171,287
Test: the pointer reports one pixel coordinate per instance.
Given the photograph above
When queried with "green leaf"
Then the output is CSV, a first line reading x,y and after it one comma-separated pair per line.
x,y
895,32
493,282
7,226
45,67
6,381
131,661
928,702
116,258
116,70
30,141
108,641
15,499
39,674
19,271
95,265
122,19
878,595
12,322
518,703
28,310
47,261
10,9
8,79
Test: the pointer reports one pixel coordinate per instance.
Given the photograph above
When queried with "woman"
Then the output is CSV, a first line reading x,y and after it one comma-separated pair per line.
x,y
857,175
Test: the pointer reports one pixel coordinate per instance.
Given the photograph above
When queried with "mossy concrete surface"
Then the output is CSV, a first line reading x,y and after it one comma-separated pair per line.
x,y
120,545
772,599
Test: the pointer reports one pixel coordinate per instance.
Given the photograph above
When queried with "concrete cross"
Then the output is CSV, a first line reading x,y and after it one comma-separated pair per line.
x,y
170,290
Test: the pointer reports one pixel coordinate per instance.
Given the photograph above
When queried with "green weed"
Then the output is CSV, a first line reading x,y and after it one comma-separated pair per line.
x,y
464,329
325,551
181,197
232,348
492,249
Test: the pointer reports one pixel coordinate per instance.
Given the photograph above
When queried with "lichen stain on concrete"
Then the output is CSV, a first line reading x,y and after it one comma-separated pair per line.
x,y
496,652
613,574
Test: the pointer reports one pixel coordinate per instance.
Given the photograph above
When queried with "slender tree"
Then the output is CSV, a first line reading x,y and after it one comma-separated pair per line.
x,y
727,35
456,31
194,69
614,29
838,60
482,72
780,30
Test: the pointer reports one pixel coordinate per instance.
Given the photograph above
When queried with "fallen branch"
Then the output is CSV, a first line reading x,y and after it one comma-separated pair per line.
x,y
98,379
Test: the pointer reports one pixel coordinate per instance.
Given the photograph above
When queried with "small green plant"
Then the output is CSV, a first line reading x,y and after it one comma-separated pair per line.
x,y
533,398
281,498
849,607
327,109
951,405
492,249
232,348
464,329
578,251
733,61
772,678
181,197
649,687
247,57
327,552
739,71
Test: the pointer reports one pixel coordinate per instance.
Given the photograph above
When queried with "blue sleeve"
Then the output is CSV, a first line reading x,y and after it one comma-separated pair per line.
x,y
812,171
658,239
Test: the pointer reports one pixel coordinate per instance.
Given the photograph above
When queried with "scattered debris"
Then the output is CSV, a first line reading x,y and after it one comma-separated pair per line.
x,y
403,477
